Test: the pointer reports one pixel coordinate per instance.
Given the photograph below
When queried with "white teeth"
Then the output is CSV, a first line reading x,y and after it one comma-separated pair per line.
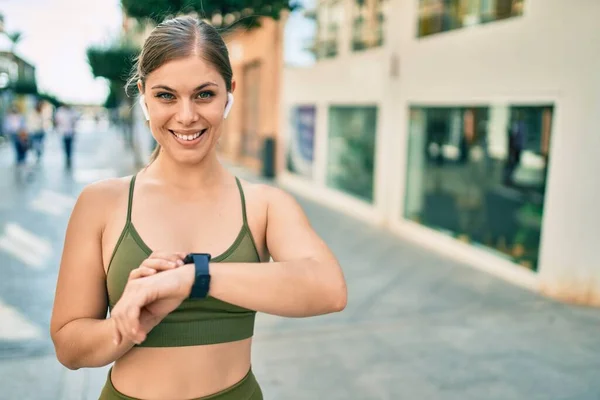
x,y
188,137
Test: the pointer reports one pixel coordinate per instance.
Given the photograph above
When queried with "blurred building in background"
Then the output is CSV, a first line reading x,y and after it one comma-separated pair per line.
x,y
256,59
469,126
18,84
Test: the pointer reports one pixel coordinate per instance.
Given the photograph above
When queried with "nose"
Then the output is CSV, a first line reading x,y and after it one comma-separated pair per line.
x,y
186,114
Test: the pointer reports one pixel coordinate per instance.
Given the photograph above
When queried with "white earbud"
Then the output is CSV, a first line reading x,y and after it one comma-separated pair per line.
x,y
225,113
228,105
144,108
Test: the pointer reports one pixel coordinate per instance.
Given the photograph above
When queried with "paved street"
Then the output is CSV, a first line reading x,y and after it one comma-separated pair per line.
x,y
417,326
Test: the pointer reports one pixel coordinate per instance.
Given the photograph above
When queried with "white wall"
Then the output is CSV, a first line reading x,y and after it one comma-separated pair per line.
x,y
551,54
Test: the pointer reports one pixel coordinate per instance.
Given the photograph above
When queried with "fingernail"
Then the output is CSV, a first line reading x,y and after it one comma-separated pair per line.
x,y
180,262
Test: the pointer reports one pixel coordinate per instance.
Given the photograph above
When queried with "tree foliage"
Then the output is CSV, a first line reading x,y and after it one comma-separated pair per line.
x,y
50,98
113,63
243,12
24,87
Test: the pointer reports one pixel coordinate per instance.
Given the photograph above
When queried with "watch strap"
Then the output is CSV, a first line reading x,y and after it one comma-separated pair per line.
x,y
201,284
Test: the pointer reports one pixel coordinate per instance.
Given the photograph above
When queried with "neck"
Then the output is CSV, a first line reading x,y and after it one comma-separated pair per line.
x,y
204,175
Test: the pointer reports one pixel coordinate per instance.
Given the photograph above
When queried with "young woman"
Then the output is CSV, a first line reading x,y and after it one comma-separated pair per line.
x,y
180,326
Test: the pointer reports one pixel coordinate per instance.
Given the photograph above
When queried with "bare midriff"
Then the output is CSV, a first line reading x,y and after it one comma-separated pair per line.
x,y
158,373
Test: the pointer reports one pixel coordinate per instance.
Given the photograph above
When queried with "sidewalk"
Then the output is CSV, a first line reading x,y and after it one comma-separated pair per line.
x,y
417,326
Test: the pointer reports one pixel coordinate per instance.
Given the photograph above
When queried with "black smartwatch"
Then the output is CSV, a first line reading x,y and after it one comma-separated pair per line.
x,y
201,274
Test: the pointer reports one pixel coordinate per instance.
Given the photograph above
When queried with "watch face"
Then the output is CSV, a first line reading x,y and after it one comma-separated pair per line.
x,y
189,259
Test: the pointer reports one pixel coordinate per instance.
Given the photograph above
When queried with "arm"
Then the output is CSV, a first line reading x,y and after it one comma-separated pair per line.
x,y
82,335
304,280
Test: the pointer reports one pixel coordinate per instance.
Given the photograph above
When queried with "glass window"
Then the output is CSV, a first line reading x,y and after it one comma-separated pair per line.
x,y
368,24
300,144
437,16
330,14
351,153
479,174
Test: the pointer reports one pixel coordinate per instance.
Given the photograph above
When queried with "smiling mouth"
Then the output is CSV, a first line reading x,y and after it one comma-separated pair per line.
x,y
188,137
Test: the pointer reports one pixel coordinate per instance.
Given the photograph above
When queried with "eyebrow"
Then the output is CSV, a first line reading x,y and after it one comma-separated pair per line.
x,y
196,89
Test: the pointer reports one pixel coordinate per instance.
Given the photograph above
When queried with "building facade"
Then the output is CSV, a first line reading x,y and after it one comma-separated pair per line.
x,y
256,61
18,86
468,126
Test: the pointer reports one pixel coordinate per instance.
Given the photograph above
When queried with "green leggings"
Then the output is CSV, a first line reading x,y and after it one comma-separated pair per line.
x,y
246,389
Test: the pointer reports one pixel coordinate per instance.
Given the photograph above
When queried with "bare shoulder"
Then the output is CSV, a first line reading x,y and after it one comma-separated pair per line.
x,y
99,197
105,190
268,196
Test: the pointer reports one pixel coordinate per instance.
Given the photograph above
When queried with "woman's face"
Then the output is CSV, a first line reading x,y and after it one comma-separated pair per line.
x,y
186,99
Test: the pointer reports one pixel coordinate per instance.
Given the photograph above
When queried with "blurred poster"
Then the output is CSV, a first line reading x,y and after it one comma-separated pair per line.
x,y
300,149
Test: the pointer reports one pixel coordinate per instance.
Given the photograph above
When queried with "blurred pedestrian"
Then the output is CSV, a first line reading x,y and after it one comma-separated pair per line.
x,y
182,320
35,128
14,126
517,135
66,119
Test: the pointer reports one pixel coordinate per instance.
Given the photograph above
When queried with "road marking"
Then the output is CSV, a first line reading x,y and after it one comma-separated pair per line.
x,y
52,203
27,247
14,326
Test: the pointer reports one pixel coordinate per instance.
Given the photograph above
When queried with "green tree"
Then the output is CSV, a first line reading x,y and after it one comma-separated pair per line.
x,y
50,98
244,12
15,38
115,63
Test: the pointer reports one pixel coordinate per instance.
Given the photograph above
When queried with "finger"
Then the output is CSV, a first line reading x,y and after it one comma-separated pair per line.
x,y
117,338
158,264
120,329
131,317
133,324
174,257
141,272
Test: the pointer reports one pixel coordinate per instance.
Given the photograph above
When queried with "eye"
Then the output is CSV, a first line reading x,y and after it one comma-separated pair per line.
x,y
165,96
205,95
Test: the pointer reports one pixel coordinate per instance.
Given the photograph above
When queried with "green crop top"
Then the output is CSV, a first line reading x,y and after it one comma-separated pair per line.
x,y
195,321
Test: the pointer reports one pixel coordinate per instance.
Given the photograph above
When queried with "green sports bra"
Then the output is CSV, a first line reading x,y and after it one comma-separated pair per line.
x,y
195,321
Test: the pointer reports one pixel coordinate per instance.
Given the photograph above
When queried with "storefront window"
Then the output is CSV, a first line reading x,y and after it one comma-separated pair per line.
x,y
368,24
437,16
300,144
479,174
351,153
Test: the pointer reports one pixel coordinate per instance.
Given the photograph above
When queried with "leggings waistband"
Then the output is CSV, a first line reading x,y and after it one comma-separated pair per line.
x,y
246,389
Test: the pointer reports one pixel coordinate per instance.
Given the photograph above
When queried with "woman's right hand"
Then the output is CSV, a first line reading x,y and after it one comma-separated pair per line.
x,y
157,262
142,291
